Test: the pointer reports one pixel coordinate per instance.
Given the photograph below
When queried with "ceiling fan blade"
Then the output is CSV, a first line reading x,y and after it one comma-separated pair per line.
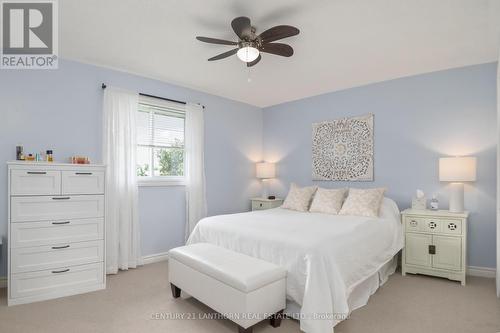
x,y
215,41
278,32
277,49
224,55
241,26
252,63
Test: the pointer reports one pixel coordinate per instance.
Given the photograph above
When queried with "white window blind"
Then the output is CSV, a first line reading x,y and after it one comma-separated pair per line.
x,y
160,138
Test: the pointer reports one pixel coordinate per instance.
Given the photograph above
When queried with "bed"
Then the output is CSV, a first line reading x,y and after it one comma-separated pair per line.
x,y
334,263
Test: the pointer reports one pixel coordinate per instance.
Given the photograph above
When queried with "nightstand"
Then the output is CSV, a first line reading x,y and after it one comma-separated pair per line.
x,y
435,243
263,203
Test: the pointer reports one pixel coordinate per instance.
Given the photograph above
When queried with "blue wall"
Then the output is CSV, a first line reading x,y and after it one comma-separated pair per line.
x,y
417,120
62,110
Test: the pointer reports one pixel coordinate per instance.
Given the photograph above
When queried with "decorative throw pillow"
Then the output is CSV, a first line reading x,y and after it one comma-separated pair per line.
x,y
363,202
328,201
299,198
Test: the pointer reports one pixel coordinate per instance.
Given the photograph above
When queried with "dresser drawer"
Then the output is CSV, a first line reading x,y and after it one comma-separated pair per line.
x,y
26,209
82,182
28,259
56,282
35,182
27,234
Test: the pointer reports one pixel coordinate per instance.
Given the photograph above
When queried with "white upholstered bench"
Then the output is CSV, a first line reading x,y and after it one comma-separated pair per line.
x,y
244,289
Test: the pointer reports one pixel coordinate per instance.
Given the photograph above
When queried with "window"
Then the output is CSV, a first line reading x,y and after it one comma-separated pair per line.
x,y
160,141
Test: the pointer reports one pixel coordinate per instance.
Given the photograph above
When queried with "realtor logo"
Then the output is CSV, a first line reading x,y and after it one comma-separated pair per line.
x,y
29,34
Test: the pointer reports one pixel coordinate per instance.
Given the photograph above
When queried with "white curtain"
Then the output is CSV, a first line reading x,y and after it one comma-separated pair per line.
x,y
119,155
196,206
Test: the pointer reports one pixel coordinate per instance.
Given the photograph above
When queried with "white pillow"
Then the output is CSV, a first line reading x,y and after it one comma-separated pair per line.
x,y
328,201
299,198
363,202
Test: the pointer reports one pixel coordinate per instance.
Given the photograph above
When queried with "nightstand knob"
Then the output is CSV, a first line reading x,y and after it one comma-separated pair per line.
x,y
452,226
432,225
260,205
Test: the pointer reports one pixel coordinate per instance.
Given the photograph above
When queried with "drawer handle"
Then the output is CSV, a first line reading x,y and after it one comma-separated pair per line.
x,y
65,222
60,247
61,271
83,173
260,205
413,223
452,226
60,198
432,225
36,172
432,249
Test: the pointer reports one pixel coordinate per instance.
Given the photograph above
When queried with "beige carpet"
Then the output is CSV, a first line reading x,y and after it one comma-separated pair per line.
x,y
133,298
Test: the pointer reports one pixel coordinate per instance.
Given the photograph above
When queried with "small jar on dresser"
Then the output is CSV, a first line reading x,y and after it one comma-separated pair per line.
x,y
435,243
56,230
264,203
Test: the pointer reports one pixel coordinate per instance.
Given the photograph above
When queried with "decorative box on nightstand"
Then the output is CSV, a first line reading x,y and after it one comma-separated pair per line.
x,y
263,203
435,243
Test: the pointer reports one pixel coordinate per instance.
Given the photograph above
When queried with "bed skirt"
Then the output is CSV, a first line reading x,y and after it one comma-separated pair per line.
x,y
360,294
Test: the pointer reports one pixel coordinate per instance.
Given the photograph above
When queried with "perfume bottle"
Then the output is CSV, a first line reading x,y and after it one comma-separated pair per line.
x,y
19,153
434,203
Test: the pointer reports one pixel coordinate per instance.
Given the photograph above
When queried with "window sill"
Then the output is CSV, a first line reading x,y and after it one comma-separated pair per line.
x,y
158,182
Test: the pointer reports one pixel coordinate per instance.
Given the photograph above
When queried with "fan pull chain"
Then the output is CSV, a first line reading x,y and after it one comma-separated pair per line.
x,y
249,78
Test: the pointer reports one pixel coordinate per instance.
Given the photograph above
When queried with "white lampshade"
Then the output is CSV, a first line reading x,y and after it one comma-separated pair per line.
x,y
457,169
265,170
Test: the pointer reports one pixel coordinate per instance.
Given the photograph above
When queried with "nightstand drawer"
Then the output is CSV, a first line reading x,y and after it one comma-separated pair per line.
x,y
453,227
259,205
431,225
422,224
414,223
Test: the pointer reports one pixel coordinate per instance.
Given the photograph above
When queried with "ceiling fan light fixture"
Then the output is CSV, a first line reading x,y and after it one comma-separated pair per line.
x,y
248,54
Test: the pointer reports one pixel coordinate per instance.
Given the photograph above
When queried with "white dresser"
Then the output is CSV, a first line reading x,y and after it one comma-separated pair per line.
x,y
435,243
56,230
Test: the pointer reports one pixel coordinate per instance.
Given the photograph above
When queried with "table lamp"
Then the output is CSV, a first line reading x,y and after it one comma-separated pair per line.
x,y
265,171
457,170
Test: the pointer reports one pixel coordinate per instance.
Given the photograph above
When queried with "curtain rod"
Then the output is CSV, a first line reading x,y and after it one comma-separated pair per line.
x,y
103,86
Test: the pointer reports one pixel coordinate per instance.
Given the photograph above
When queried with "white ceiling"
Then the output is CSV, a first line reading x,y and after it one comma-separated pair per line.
x,y
342,44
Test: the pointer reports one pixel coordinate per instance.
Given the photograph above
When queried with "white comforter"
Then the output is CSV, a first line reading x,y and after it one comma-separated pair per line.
x,y
326,256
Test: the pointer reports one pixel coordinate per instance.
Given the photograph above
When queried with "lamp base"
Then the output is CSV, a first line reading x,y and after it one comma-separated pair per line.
x,y
457,198
265,189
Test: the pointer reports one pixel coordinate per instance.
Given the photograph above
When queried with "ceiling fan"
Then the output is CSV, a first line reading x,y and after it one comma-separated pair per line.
x,y
250,45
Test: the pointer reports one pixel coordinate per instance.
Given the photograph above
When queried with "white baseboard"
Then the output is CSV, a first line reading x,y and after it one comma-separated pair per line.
x,y
486,272
157,257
